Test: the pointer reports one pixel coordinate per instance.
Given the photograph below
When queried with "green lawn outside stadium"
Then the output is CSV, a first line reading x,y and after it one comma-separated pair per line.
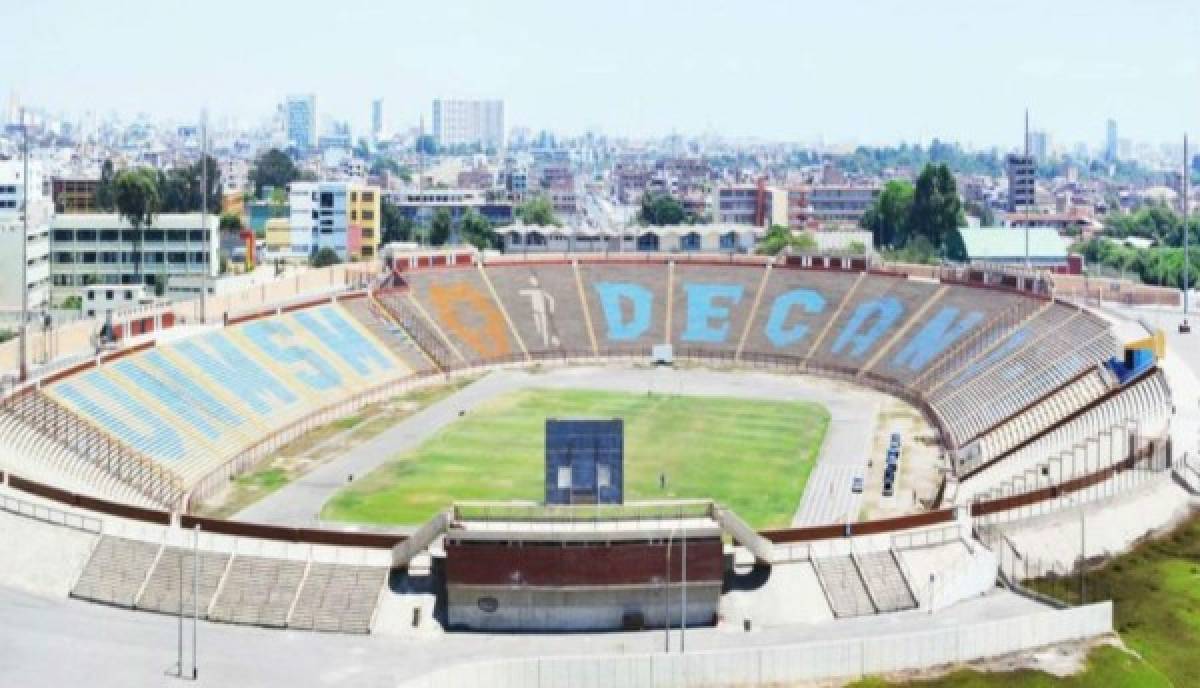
x,y
753,456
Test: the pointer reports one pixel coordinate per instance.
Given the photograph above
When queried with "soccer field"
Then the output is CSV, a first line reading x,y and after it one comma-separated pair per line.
x,y
753,456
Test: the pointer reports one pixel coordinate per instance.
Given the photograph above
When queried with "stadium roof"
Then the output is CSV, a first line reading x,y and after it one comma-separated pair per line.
x,y
1007,244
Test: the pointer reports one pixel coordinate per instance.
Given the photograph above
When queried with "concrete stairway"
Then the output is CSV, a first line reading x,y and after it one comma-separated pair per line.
x,y
889,589
259,591
336,597
116,571
844,586
162,589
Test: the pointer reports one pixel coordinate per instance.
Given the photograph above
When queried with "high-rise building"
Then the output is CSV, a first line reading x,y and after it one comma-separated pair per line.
x,y
13,210
301,121
376,119
1110,141
468,123
1022,181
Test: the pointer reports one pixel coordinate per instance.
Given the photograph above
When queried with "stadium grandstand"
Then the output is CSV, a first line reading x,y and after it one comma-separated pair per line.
x,y
1036,404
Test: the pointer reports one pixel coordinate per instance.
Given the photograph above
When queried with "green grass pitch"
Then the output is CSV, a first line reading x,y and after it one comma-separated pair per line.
x,y
753,456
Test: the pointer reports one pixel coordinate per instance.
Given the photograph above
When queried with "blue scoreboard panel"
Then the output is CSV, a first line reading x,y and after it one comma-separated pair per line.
x,y
585,461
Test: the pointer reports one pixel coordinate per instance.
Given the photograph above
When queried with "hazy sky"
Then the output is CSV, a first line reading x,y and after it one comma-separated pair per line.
x,y
840,70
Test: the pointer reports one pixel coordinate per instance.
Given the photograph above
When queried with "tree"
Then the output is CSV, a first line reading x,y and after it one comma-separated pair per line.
x,y
887,218
440,227
779,237
476,230
660,210
324,258
231,222
274,169
936,212
982,211
72,303
395,226
136,195
537,211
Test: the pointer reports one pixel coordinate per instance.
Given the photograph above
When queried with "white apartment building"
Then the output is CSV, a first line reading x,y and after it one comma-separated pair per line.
x,y
469,122
12,233
103,248
340,215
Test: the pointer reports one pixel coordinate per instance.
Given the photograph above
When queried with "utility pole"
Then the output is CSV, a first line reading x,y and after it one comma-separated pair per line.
x,y
24,370
195,594
1184,327
1028,214
204,213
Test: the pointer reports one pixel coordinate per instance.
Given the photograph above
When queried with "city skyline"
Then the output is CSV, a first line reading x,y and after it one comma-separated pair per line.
x,y
872,73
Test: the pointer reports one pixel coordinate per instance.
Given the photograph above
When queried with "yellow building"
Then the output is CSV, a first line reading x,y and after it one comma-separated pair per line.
x,y
363,205
279,236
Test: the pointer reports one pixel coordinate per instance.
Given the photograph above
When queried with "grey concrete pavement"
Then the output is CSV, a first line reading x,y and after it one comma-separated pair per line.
x,y
61,642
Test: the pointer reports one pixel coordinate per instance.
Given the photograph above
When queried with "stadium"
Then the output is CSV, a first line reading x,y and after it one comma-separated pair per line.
x,y
832,469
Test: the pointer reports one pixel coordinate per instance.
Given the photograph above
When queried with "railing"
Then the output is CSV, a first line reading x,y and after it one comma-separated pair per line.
x,y
583,513
927,537
49,514
64,427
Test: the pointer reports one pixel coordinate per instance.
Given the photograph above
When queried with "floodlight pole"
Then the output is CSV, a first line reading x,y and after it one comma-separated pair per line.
x,y
667,597
683,611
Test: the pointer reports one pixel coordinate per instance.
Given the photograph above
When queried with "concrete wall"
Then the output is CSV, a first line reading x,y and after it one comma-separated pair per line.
x,y
846,659
577,609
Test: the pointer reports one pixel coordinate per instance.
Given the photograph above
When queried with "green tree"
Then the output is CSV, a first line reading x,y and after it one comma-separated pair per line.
x,y
274,169
887,218
395,226
136,196
937,213
779,237
72,303
537,211
982,211
440,227
476,230
231,222
660,210
324,258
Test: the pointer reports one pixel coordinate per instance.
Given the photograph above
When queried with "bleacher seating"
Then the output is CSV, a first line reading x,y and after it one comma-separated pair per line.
x,y
116,571
1050,351
387,331
464,312
795,308
338,597
543,303
258,591
163,587
193,403
628,305
1139,407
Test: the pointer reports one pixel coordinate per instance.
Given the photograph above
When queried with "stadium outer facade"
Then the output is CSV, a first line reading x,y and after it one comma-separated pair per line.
x,y
1011,378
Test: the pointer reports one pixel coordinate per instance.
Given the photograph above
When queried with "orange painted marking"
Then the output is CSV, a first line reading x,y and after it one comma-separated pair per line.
x,y
470,315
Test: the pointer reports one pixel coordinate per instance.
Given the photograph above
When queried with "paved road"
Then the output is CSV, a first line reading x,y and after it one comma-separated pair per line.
x,y
63,642
827,498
